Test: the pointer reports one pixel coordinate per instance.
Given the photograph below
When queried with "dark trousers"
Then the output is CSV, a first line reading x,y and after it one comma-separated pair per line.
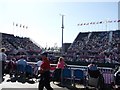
x,y
3,68
2,65
45,81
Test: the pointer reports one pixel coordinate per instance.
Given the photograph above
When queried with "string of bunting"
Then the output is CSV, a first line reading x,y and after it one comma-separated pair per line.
x,y
20,25
100,22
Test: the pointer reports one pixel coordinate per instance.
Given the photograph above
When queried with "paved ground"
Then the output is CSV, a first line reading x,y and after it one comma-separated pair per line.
x,y
8,85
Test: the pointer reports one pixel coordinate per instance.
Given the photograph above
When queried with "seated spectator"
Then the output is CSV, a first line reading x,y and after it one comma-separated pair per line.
x,y
93,71
22,61
92,66
94,74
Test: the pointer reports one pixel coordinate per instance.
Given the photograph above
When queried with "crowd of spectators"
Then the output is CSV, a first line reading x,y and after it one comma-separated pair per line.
x,y
15,42
102,47
16,45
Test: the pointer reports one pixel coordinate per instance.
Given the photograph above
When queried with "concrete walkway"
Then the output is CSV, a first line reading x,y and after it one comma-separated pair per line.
x,y
8,85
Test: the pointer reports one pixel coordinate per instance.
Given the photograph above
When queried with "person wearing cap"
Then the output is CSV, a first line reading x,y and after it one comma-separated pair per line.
x,y
45,73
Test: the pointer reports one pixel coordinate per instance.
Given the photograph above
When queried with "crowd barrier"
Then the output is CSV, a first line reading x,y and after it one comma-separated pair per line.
x,y
108,73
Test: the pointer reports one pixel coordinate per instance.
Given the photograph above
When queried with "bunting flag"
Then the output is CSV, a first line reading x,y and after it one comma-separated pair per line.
x,y
16,24
26,27
97,22
118,20
20,25
87,23
100,22
93,22
109,21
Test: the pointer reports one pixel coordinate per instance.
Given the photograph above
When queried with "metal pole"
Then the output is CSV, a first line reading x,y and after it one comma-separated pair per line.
x,y
62,32
62,47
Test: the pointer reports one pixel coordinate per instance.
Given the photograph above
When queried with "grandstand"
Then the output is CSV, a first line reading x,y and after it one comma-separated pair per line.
x,y
16,45
100,47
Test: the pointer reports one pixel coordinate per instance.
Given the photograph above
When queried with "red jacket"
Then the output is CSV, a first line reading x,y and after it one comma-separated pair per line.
x,y
45,66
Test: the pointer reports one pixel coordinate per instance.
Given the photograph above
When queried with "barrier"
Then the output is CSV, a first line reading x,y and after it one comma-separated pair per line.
x,y
108,73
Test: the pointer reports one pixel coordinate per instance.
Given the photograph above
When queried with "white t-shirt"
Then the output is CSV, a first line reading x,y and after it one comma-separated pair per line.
x,y
3,56
117,71
39,64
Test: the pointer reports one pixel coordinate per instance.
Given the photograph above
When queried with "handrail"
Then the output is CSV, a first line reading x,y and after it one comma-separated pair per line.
x,y
78,66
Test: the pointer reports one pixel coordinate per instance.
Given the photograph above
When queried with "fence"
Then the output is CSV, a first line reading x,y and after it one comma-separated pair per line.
x,y
108,73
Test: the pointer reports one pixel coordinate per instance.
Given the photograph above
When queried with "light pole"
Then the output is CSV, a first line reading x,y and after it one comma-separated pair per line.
x,y
62,46
62,32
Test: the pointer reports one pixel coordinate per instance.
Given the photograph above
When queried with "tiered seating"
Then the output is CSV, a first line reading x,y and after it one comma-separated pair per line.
x,y
11,42
14,44
95,46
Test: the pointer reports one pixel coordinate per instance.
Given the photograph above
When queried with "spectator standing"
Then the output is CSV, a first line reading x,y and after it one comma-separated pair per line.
x,y
117,78
39,62
45,73
60,66
61,63
37,67
3,58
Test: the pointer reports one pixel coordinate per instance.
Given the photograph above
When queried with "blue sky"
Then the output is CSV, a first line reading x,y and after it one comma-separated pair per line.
x,y
44,20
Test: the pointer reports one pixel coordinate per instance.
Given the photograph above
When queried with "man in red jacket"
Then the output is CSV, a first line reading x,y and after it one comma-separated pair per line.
x,y
45,73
